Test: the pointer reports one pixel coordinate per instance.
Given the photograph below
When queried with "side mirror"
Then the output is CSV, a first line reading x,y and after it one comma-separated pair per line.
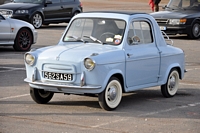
x,y
48,2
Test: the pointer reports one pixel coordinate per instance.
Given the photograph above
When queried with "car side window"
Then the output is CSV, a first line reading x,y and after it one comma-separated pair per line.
x,y
55,1
67,0
139,33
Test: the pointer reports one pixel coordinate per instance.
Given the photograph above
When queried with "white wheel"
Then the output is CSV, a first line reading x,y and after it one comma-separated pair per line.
x,y
170,88
110,98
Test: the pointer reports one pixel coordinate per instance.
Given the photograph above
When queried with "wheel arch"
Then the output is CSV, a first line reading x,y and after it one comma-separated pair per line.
x,y
114,73
175,66
25,28
37,11
76,10
196,19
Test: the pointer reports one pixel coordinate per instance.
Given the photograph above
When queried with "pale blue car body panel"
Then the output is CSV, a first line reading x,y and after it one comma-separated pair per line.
x,y
146,66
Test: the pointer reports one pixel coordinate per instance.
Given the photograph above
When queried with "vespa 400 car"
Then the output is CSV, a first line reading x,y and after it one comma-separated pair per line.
x,y
105,54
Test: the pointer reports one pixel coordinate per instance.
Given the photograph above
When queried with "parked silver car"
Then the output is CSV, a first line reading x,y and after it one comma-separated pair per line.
x,y
19,34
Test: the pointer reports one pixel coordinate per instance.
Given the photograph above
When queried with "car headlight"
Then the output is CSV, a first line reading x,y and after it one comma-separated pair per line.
x,y
29,59
177,21
89,64
21,12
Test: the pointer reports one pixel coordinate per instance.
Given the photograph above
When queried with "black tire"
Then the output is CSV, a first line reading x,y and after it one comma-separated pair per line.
x,y
40,96
195,31
170,88
111,97
37,20
23,40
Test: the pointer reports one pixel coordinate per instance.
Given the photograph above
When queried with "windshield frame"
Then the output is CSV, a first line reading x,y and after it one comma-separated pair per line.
x,y
92,38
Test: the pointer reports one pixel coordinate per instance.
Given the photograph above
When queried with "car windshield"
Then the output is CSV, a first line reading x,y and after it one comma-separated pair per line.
x,y
184,4
96,30
29,1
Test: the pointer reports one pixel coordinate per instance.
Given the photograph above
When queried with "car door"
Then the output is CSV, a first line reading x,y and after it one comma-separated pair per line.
x,y
53,10
142,55
5,30
68,7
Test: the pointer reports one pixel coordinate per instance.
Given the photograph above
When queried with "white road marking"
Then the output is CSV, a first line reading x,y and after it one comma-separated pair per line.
x,y
11,69
190,84
4,98
170,109
148,114
103,124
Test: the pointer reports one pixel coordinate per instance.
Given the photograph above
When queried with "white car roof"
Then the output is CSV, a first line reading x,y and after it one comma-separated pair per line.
x,y
108,14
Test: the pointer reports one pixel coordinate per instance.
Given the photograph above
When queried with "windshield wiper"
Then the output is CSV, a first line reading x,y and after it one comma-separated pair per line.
x,y
94,39
76,38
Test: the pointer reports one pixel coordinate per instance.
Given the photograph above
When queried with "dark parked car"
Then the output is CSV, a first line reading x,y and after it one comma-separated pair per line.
x,y
180,17
38,12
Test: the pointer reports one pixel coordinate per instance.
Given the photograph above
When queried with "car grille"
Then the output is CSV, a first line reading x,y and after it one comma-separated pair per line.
x,y
67,72
162,21
6,13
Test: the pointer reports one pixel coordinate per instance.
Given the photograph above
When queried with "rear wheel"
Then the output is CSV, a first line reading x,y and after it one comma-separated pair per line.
x,y
170,88
41,96
195,31
110,98
37,20
23,40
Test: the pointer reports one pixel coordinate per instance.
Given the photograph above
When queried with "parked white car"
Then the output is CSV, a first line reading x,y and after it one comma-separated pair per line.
x,y
17,33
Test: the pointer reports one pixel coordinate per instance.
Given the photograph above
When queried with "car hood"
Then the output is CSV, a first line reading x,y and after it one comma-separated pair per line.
x,y
75,52
17,6
173,14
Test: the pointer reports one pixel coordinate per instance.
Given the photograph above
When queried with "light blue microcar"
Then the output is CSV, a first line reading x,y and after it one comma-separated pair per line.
x,y
105,54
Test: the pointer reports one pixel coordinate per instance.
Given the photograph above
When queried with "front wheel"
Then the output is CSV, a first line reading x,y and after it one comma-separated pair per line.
x,y
170,88
195,31
41,96
110,98
23,40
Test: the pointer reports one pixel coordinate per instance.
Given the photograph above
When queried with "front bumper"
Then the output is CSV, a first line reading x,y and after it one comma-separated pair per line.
x,y
63,87
175,29
24,17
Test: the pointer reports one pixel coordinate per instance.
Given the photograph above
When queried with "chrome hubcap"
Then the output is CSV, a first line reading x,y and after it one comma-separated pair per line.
x,y
196,30
43,93
112,93
172,83
37,20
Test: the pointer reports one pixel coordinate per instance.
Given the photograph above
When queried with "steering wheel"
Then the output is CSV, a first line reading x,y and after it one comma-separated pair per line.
x,y
106,33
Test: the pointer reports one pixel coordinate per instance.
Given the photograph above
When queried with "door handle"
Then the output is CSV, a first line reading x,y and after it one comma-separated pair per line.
x,y
129,55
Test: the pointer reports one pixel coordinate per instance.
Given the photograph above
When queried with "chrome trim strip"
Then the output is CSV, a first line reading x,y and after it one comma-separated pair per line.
x,y
61,85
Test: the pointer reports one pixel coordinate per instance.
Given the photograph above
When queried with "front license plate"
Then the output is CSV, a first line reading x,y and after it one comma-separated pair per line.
x,y
163,28
58,76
